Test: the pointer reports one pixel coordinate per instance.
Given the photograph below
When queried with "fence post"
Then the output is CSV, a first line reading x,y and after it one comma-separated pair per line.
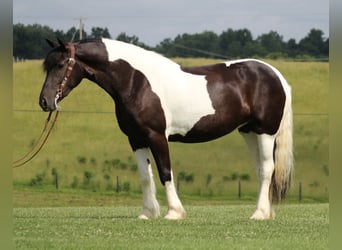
x,y
56,181
239,189
117,184
54,173
300,191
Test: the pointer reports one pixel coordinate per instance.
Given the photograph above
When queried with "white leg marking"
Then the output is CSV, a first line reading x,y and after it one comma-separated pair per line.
x,y
175,207
263,210
150,203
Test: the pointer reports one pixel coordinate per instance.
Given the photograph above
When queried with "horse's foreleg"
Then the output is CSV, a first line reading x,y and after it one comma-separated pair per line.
x,y
176,210
160,150
265,146
150,203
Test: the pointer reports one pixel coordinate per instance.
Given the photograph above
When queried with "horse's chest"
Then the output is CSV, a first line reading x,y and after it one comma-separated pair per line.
x,y
184,100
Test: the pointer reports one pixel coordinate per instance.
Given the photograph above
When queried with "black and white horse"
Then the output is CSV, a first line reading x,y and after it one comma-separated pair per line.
x,y
157,101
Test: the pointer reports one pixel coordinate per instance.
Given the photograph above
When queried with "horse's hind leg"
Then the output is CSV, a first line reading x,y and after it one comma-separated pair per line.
x,y
261,150
252,143
265,146
150,203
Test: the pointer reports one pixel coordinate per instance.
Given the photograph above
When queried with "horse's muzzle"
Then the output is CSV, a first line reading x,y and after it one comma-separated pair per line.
x,y
45,105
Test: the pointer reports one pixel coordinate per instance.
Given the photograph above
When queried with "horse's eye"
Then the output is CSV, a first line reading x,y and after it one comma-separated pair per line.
x,y
61,65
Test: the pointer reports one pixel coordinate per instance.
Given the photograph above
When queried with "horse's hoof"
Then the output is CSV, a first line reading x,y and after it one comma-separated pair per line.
x,y
175,215
149,214
143,217
261,215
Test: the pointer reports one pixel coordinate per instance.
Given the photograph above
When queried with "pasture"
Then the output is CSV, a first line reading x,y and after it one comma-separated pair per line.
x,y
207,227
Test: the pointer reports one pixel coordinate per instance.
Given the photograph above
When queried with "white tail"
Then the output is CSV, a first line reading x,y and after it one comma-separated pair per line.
x,y
283,157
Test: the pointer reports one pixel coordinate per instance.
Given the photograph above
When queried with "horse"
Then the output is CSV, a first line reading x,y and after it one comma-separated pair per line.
x,y
157,101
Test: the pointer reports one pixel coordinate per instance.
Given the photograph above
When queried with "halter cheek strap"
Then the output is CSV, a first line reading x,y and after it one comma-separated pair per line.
x,y
71,63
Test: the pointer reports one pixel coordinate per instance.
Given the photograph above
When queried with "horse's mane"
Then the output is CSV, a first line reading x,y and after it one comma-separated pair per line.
x,y
88,40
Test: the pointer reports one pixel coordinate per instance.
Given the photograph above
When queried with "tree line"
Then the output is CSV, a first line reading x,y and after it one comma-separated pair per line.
x,y
29,43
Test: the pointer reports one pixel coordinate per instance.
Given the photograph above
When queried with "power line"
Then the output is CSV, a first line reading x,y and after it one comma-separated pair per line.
x,y
203,52
222,56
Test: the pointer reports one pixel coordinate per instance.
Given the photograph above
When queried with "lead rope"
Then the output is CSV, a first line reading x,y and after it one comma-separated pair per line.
x,y
39,145
29,156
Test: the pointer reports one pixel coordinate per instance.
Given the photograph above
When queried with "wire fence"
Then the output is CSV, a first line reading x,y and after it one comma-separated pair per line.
x,y
312,155
112,112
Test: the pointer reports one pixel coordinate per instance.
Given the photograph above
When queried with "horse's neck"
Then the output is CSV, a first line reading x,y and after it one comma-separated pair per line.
x,y
116,61
114,77
93,51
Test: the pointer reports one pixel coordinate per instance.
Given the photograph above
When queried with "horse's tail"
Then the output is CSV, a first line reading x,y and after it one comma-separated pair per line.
x,y
283,154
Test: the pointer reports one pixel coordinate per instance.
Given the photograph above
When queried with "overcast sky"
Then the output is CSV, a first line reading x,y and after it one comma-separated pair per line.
x,y
154,20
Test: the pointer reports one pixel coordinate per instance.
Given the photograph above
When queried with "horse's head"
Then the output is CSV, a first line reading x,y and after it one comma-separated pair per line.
x,y
62,74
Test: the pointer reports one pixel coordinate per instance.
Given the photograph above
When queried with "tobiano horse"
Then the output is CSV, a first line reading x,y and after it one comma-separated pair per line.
x,y
157,101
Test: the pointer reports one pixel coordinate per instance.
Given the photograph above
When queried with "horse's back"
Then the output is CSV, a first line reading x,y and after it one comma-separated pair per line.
x,y
248,93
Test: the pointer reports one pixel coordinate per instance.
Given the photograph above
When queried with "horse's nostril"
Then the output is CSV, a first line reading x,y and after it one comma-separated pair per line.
x,y
43,103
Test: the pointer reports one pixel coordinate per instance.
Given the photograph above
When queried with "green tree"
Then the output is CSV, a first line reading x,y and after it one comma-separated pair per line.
x,y
128,39
29,41
98,32
203,44
166,48
131,39
313,44
271,42
74,34
292,48
234,43
244,36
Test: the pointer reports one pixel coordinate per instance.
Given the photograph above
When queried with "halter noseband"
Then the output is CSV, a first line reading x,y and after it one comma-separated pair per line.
x,y
71,63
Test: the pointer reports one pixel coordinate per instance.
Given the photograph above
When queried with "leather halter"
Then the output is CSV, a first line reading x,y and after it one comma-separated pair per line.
x,y
71,63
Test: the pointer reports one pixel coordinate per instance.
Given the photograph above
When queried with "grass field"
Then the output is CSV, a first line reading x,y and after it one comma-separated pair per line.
x,y
87,140
206,227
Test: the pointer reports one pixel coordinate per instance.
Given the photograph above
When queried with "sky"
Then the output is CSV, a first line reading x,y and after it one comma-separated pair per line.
x,y
155,20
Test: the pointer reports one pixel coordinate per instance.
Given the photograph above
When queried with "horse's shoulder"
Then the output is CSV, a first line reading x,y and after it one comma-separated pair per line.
x,y
205,70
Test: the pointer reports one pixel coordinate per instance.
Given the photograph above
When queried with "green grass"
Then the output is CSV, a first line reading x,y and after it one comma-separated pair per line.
x,y
96,138
206,227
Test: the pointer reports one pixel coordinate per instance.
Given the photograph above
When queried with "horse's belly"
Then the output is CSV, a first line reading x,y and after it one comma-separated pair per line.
x,y
207,129
210,127
194,138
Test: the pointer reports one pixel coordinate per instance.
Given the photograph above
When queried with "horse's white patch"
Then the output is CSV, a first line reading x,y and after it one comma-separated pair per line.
x,y
228,63
184,97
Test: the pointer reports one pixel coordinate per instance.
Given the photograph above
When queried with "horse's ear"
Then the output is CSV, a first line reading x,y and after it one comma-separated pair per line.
x,y
61,43
51,43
